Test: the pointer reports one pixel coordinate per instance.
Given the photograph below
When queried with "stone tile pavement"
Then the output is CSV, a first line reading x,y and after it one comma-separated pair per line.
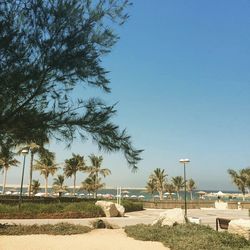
x,y
146,216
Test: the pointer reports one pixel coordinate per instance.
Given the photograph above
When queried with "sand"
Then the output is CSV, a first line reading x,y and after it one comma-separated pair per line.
x,y
101,239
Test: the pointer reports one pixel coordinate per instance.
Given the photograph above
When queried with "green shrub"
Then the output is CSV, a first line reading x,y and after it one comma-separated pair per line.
x,y
131,206
85,209
57,229
88,208
188,237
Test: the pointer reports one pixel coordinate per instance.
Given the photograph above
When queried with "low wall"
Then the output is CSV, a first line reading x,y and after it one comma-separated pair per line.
x,y
178,204
193,204
236,205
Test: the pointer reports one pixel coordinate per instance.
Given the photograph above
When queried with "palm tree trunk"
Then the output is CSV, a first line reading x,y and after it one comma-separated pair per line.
x,y
4,179
96,180
178,195
74,189
31,171
46,186
191,195
161,195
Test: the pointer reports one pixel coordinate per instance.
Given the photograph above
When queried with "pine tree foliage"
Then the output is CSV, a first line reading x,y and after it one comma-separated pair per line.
x,y
47,50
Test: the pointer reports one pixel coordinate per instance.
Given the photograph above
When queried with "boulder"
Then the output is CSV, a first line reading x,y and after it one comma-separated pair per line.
x,y
108,208
121,209
220,205
194,220
170,217
240,227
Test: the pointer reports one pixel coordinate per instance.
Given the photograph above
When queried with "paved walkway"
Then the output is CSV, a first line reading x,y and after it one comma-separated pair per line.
x,y
147,216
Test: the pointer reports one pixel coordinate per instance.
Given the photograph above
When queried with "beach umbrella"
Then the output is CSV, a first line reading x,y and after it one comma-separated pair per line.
x,y
220,193
133,196
167,193
40,194
12,190
156,196
125,192
201,192
126,196
141,196
211,194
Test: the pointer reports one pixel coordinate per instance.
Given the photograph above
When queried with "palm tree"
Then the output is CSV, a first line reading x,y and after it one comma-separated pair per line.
x,y
151,186
72,166
46,165
6,161
191,185
247,172
58,184
240,179
159,177
35,187
33,148
95,170
92,184
170,188
178,183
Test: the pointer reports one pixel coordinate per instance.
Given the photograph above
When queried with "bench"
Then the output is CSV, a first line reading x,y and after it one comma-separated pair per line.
x,y
222,222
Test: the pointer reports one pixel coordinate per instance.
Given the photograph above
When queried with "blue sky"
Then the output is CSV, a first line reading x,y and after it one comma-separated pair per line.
x,y
180,74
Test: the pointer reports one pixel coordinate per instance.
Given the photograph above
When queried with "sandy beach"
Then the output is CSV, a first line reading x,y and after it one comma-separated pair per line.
x,y
101,239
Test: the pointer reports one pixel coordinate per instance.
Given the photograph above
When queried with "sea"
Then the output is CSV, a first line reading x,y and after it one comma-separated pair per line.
x,y
135,193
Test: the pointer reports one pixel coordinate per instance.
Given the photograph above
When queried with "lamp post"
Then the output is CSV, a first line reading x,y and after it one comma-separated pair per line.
x,y
184,162
24,153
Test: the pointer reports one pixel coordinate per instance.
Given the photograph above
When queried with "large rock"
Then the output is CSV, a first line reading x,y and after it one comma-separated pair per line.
x,y
170,217
121,209
108,208
194,220
240,227
221,205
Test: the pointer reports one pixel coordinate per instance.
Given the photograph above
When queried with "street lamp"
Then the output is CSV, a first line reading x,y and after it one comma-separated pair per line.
x,y
184,162
24,153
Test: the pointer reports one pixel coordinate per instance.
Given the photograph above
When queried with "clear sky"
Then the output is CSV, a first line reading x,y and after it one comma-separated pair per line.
x,y
180,74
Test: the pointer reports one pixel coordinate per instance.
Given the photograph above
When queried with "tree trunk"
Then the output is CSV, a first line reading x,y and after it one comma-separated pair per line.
x,y
191,195
178,195
161,195
74,188
4,179
46,186
31,171
96,180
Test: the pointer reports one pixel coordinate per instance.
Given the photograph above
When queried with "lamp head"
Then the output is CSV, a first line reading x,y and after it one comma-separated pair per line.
x,y
184,160
25,151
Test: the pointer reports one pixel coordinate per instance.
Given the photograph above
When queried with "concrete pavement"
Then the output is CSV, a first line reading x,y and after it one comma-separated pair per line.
x,y
146,216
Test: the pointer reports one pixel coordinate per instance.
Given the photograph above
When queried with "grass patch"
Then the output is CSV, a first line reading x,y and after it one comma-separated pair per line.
x,y
85,209
131,206
188,237
57,229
